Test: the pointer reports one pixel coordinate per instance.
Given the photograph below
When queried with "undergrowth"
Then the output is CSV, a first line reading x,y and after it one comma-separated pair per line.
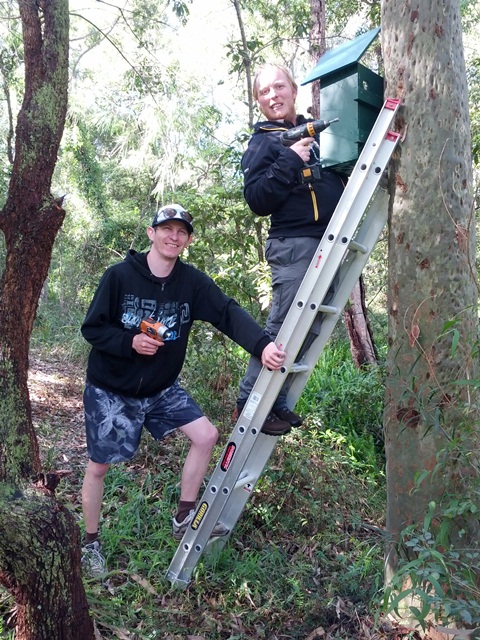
x,y
307,551
309,538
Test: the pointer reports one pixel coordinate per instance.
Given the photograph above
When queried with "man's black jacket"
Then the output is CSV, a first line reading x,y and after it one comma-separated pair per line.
x,y
273,187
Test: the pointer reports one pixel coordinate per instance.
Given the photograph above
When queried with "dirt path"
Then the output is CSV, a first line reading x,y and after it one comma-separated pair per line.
x,y
56,387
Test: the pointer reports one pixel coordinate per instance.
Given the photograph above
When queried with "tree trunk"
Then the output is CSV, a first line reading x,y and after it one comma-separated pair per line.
x,y
40,566
360,334
317,49
432,279
39,545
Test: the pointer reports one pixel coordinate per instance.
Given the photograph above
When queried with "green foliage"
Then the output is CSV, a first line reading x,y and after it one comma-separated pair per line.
x,y
473,77
84,167
153,133
349,403
309,542
6,601
443,576
213,370
303,541
288,24
54,327
180,9
339,12
11,67
221,217
470,12
238,56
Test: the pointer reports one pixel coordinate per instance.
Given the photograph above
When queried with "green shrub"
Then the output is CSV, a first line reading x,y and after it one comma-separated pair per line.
x,y
348,402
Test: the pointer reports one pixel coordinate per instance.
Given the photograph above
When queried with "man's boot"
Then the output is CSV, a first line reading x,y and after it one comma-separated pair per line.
x,y
273,425
285,414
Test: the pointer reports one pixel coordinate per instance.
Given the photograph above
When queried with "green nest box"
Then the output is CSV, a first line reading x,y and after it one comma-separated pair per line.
x,y
351,92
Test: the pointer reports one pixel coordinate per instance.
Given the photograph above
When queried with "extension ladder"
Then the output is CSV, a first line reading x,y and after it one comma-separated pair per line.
x,y
350,237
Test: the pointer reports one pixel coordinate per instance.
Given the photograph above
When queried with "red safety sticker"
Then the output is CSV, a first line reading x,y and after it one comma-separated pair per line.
x,y
227,458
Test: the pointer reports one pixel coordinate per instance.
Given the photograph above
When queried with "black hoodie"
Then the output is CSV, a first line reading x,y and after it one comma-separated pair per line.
x,y
126,294
272,185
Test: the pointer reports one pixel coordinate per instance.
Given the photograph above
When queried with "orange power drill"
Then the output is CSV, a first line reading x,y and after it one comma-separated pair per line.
x,y
155,329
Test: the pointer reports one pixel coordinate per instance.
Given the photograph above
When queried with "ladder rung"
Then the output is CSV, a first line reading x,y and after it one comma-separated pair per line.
x,y
356,246
243,479
299,368
325,308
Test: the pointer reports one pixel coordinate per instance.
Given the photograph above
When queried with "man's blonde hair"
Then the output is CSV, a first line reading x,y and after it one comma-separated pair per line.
x,y
265,67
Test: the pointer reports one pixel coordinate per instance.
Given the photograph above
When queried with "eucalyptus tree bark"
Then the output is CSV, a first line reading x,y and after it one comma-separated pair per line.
x,y
39,545
355,315
432,278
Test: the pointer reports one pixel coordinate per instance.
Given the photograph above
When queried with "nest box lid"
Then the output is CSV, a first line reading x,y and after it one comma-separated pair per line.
x,y
342,56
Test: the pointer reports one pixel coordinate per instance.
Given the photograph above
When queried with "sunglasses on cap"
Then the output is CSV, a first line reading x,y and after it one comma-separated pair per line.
x,y
174,213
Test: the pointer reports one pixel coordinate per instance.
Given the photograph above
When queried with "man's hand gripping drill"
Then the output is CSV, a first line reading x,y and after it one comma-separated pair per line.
x,y
152,335
301,139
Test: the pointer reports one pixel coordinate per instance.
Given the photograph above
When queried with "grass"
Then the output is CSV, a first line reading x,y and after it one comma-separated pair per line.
x,y
299,547
309,538
307,551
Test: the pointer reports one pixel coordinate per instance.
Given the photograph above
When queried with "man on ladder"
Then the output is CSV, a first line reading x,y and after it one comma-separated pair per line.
x,y
285,183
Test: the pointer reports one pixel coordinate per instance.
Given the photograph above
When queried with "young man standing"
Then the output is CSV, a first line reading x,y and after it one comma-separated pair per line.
x,y
132,377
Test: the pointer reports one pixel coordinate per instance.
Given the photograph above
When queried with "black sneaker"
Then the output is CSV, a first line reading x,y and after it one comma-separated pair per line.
x,y
291,417
93,562
274,426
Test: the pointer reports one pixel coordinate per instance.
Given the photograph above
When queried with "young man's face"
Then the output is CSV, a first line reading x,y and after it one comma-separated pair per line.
x,y
169,239
276,96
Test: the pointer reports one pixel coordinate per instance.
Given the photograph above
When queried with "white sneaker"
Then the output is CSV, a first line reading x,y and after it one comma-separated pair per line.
x,y
179,528
93,562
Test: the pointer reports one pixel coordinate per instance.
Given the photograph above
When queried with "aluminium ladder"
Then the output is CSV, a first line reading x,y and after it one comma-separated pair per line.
x,y
350,237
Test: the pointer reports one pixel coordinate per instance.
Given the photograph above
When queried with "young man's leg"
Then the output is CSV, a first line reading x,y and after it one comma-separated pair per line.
x,y
203,437
289,259
174,409
106,415
93,561
92,496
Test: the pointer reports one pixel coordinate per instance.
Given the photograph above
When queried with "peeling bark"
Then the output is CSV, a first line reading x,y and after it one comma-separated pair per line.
x,y
358,327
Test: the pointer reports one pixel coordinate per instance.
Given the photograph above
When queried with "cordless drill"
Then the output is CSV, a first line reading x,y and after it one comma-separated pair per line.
x,y
307,130
155,329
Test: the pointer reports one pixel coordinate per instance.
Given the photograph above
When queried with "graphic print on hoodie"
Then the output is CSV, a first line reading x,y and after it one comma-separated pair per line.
x,y
172,314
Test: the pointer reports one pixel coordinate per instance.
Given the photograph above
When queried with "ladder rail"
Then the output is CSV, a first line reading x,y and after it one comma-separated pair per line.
x,y
331,252
371,228
342,253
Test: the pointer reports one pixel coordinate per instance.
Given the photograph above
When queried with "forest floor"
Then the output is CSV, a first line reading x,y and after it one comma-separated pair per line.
x,y
56,386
